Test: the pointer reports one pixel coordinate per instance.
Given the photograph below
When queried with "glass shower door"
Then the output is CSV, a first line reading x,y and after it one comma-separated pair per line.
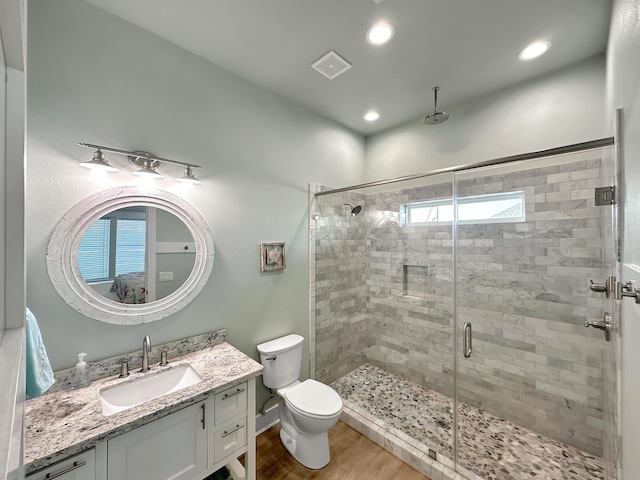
x,y
382,318
611,355
529,375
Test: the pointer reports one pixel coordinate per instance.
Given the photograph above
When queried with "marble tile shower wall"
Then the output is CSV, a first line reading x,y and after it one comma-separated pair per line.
x,y
339,319
410,283
384,295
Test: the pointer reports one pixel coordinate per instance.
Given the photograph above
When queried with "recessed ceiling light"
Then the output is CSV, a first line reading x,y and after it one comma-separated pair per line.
x,y
534,50
379,34
371,116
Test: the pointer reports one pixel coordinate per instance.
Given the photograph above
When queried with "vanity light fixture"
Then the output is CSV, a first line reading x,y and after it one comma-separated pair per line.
x,y
98,162
147,164
188,177
148,170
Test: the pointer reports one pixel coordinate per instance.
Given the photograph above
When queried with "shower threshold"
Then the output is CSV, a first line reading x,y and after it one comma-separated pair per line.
x,y
413,422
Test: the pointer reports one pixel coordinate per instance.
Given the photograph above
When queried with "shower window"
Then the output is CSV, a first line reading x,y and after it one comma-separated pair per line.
x,y
492,208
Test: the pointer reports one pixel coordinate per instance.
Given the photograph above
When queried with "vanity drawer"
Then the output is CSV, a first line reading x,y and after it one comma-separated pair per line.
x,y
230,402
230,438
78,467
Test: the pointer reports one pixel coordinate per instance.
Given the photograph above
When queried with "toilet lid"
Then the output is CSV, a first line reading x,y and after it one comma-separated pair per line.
x,y
312,398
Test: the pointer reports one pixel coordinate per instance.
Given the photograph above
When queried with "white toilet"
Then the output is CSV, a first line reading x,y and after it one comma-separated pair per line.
x,y
307,409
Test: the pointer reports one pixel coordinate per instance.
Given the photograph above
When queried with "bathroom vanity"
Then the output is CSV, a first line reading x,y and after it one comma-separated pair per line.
x,y
184,435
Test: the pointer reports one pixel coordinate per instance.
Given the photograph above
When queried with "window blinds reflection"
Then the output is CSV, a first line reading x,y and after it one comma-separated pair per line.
x,y
113,246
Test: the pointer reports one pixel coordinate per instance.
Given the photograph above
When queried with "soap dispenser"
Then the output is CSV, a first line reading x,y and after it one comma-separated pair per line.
x,y
80,374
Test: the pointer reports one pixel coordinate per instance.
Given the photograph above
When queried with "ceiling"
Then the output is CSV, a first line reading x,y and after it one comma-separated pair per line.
x,y
467,47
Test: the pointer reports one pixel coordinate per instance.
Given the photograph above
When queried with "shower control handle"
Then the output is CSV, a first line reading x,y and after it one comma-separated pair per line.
x,y
467,345
605,326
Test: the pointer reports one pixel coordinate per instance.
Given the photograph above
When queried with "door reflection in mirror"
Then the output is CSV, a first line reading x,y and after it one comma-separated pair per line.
x,y
136,254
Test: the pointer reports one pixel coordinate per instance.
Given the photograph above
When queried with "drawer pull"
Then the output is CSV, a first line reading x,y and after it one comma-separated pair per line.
x,y
229,395
227,433
70,468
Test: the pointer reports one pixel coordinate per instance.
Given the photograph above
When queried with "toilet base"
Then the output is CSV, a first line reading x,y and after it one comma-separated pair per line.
x,y
310,449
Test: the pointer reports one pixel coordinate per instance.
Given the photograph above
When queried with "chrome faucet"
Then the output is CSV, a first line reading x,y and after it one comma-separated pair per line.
x,y
146,349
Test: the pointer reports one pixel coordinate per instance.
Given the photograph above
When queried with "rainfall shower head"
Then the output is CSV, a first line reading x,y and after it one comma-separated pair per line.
x,y
354,210
436,117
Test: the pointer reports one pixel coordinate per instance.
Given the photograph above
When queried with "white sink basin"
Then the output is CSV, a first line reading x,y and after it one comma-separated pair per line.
x,y
127,395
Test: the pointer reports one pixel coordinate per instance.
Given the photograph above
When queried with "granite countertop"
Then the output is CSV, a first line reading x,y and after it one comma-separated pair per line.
x,y
66,422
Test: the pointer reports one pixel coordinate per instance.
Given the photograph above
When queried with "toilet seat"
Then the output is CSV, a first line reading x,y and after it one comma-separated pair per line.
x,y
313,399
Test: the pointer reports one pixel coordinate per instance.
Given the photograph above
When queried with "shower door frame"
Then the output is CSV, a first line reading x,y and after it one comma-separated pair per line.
x,y
572,148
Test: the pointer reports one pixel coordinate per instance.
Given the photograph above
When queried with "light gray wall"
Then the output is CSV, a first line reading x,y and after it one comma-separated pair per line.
x,y
623,91
96,78
170,228
179,264
557,109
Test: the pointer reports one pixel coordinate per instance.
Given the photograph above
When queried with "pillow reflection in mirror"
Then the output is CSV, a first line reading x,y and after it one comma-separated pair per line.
x,y
130,288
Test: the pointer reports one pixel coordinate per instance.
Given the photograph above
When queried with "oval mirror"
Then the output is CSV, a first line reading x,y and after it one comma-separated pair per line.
x,y
130,255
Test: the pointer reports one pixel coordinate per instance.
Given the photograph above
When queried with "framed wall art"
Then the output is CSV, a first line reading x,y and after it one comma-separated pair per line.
x,y
272,256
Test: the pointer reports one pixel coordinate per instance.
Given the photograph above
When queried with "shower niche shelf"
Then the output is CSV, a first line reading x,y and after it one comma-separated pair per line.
x,y
415,280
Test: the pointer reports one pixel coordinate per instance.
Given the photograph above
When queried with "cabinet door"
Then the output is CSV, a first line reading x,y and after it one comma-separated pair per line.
x,y
78,467
173,447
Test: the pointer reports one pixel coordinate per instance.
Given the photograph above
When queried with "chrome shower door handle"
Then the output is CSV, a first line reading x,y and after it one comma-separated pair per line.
x,y
467,345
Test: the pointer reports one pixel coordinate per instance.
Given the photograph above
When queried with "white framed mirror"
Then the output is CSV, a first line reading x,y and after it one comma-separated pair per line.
x,y
107,254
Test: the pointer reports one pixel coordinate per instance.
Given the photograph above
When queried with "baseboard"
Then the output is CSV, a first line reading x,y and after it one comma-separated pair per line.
x,y
265,422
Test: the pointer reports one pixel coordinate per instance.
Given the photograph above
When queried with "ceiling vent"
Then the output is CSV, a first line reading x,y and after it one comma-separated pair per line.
x,y
331,65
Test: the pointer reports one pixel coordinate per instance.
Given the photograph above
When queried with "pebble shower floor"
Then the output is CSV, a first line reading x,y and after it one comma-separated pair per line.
x,y
491,447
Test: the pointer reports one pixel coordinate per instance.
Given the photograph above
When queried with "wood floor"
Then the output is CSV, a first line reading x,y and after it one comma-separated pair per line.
x,y
353,457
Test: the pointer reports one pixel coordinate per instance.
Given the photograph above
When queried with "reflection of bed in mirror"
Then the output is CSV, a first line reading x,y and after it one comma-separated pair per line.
x,y
128,288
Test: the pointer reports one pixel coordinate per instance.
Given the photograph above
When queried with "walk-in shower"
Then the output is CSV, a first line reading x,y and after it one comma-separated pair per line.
x,y
506,251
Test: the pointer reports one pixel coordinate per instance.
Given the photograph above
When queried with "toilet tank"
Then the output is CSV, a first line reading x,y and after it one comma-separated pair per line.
x,y
281,358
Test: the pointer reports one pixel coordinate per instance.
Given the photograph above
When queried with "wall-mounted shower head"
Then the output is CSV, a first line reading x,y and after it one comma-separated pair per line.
x,y
354,210
436,117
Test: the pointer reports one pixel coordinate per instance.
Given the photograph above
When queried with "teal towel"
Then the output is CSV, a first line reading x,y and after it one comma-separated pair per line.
x,y
38,369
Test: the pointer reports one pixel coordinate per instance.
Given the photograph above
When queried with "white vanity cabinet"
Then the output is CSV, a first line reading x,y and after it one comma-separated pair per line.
x,y
173,447
191,443
78,467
